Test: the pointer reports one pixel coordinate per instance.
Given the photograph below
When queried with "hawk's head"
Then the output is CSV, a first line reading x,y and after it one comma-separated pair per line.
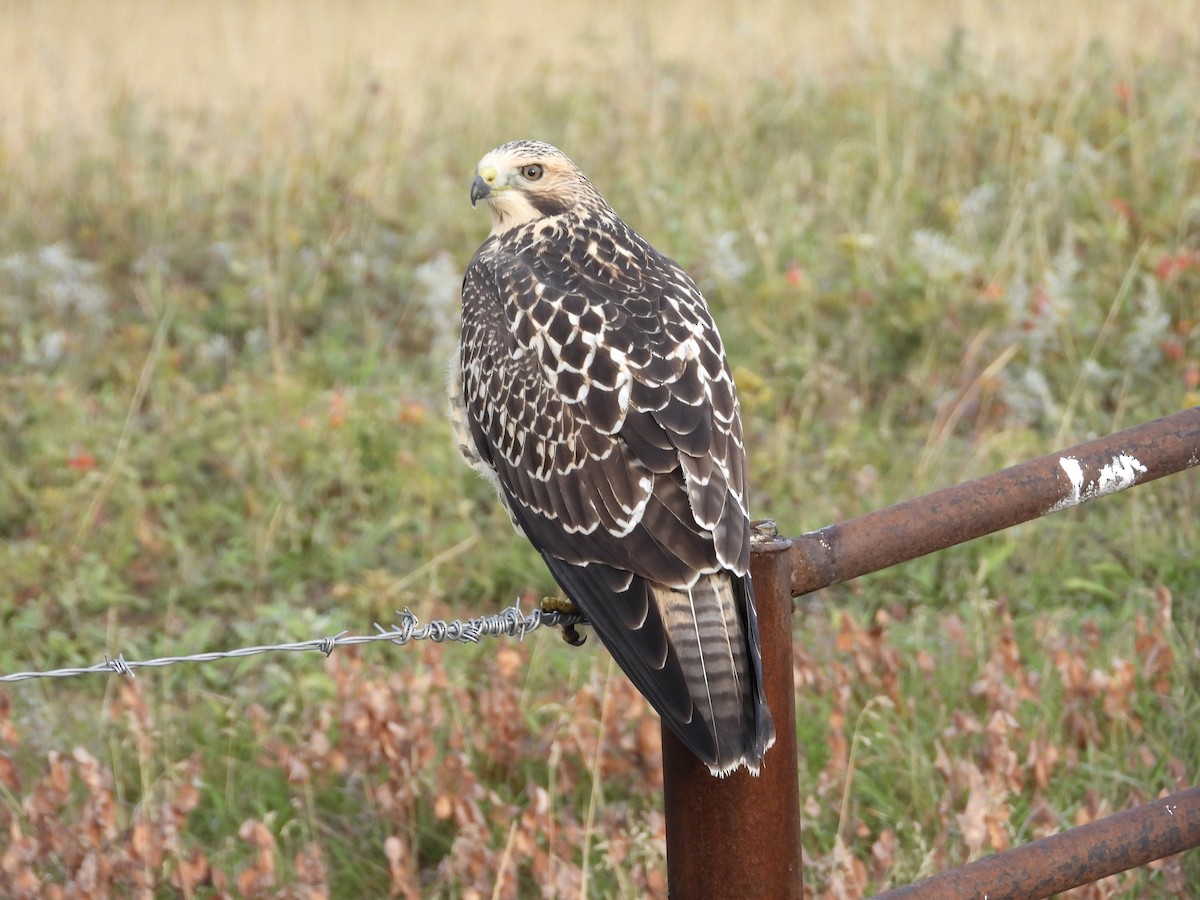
x,y
523,181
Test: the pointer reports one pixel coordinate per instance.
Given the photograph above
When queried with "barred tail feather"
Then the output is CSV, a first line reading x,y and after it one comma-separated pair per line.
x,y
713,629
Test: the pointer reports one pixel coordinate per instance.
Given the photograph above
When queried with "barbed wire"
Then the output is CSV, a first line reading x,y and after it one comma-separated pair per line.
x,y
510,622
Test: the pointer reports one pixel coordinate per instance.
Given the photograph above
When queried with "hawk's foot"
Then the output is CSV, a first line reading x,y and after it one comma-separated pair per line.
x,y
564,607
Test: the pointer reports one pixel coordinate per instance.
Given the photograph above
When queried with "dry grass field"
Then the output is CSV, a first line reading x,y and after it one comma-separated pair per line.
x,y
68,61
939,238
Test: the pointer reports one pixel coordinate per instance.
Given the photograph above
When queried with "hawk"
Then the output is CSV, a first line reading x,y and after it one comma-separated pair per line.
x,y
591,388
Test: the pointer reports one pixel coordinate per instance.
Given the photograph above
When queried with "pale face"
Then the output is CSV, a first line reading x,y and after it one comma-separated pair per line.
x,y
524,181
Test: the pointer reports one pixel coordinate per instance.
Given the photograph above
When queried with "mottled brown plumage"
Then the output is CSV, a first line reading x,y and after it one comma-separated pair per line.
x,y
591,388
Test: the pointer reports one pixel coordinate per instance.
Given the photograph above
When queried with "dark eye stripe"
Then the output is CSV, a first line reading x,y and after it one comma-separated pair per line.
x,y
549,203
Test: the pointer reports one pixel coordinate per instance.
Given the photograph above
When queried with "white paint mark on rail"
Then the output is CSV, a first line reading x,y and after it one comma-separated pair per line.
x,y
1117,475
1074,471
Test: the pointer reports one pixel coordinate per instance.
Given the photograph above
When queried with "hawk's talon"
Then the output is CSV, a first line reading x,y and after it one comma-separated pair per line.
x,y
572,636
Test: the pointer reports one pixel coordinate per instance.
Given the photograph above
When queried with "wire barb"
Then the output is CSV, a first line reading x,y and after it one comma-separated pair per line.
x,y
510,622
119,666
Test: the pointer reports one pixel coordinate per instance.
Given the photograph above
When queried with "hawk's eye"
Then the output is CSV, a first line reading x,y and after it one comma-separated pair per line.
x,y
532,172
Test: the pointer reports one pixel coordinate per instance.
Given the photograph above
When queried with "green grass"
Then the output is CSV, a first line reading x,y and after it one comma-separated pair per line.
x,y
222,350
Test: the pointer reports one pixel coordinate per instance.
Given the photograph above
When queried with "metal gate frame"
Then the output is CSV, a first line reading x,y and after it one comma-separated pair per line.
x,y
739,836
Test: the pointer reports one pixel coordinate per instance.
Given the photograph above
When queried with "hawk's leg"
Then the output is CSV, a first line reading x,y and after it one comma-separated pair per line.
x,y
564,607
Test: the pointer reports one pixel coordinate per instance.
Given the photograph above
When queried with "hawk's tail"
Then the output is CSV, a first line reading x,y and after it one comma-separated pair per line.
x,y
713,628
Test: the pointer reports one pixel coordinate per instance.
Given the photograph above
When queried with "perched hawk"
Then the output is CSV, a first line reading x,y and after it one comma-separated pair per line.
x,y
591,388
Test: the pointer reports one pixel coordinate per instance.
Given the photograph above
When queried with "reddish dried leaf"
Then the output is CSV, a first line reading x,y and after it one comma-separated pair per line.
x,y
509,661
972,821
190,873
9,777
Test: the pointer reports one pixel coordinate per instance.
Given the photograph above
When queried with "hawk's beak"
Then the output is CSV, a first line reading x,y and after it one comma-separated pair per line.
x,y
480,190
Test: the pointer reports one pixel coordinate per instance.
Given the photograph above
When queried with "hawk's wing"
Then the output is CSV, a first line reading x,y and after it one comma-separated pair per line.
x,y
595,386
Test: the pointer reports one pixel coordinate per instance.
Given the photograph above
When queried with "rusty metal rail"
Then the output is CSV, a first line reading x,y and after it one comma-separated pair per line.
x,y
1071,858
1017,494
740,836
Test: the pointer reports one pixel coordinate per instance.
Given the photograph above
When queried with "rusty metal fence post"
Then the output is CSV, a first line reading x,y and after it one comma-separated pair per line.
x,y
739,836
